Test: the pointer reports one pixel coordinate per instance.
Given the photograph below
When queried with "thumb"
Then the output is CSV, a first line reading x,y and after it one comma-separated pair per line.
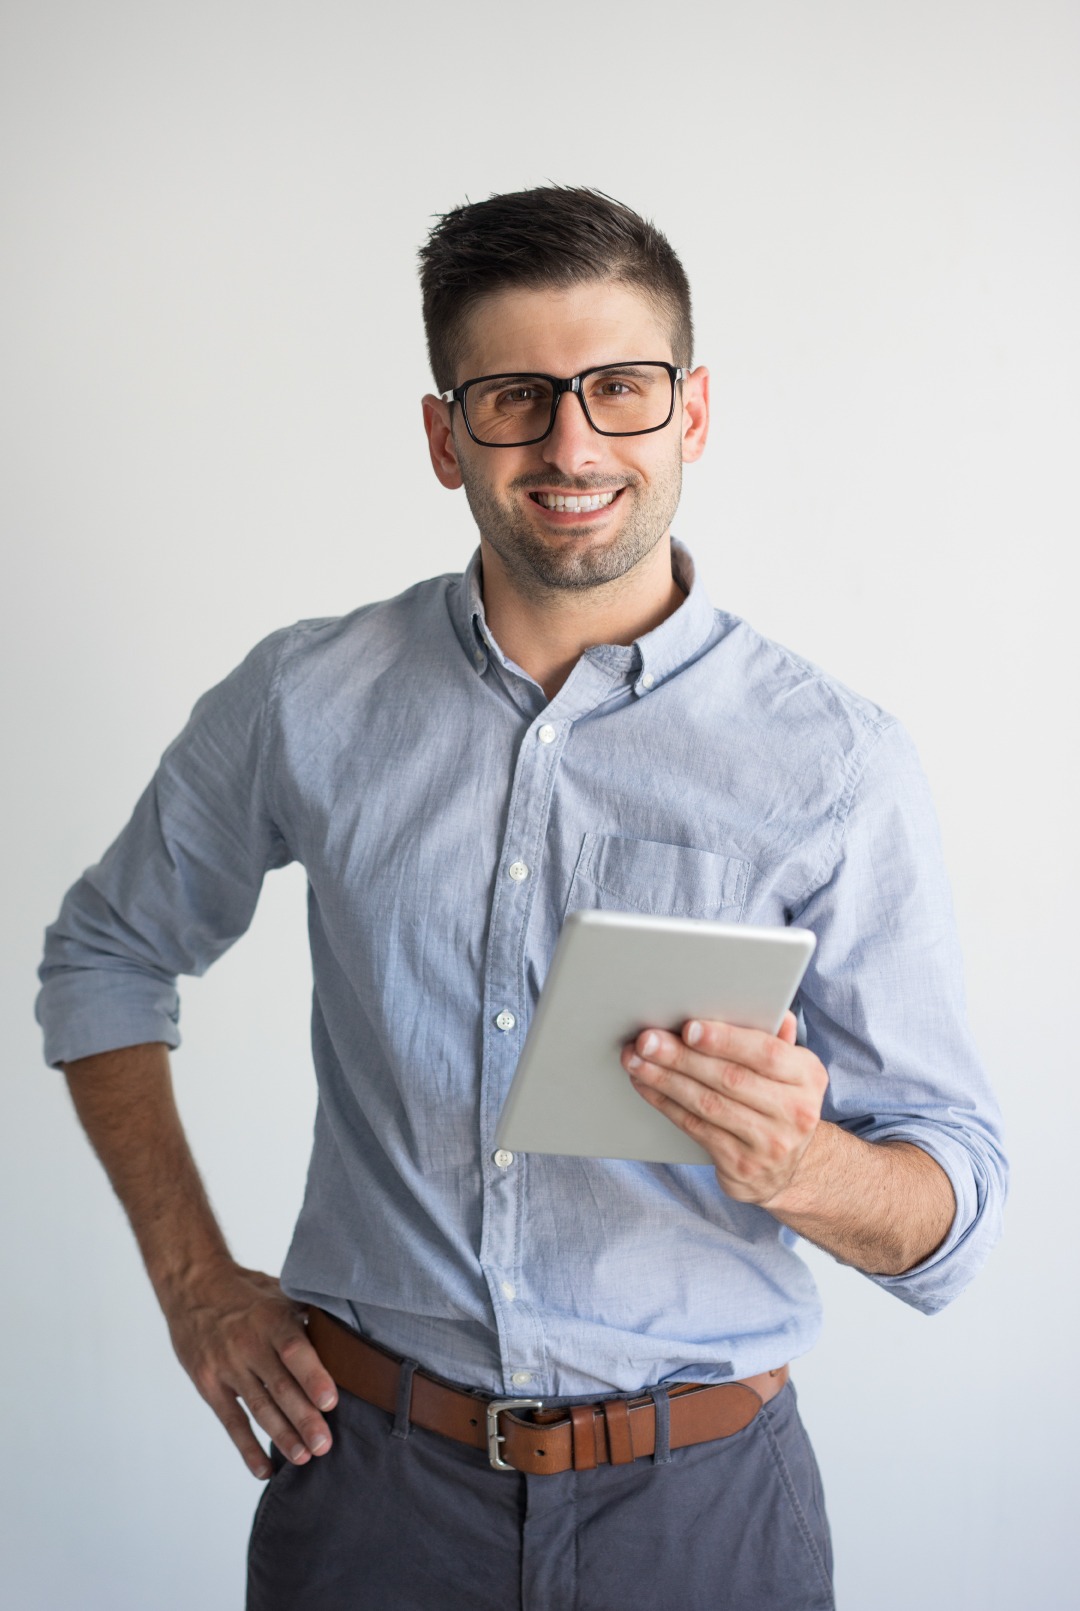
x,y
788,1029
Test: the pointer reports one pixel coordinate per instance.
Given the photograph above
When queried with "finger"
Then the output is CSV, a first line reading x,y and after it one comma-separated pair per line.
x,y
740,1169
738,1084
702,1103
788,1029
729,1152
772,1056
231,1415
295,1406
305,1366
264,1408
283,1368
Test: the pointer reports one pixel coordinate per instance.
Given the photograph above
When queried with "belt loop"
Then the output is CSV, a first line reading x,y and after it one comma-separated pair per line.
x,y
662,1445
583,1436
404,1399
620,1440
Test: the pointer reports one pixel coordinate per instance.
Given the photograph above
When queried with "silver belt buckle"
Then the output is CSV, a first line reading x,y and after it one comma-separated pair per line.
x,y
494,1436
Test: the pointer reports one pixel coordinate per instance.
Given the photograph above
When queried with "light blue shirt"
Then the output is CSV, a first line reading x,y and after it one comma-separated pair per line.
x,y
702,771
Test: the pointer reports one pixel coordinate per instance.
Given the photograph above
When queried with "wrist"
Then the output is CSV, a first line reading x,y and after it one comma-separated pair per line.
x,y
179,1278
801,1195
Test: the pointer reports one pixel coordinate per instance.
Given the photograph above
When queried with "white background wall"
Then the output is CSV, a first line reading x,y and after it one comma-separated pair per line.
x,y
211,363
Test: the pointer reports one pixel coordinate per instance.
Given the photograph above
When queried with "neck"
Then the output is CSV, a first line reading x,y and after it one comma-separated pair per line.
x,y
547,632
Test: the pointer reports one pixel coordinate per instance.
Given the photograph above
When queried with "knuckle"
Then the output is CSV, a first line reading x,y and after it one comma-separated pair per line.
x,y
712,1104
733,1076
236,1425
206,1381
309,1427
294,1348
805,1120
259,1401
295,1345
717,1036
277,1385
772,1056
241,1341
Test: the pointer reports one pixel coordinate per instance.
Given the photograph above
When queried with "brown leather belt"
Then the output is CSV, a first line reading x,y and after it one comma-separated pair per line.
x,y
574,1437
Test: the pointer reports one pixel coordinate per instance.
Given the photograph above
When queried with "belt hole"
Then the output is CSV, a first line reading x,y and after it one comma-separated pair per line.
x,y
473,1421
540,1452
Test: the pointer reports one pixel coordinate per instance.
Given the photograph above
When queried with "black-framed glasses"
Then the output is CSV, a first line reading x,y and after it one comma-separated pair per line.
x,y
517,409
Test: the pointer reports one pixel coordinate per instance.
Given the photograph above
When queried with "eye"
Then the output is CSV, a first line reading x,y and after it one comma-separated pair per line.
x,y
516,396
620,385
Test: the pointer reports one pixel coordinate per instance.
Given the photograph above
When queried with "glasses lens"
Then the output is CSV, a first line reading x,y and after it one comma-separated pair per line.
x,y
509,409
626,398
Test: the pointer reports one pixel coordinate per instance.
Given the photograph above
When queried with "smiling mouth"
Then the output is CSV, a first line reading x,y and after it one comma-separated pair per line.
x,y
573,503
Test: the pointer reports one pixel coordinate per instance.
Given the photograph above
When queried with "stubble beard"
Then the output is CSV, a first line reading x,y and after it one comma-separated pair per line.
x,y
573,560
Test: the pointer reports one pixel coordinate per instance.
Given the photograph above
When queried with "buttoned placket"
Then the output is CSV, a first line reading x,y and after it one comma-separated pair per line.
x,y
507,1008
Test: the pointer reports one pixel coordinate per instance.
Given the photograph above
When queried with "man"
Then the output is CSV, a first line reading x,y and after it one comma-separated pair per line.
x,y
569,724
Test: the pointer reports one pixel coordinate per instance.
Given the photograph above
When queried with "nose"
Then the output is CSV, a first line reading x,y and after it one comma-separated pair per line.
x,y
573,444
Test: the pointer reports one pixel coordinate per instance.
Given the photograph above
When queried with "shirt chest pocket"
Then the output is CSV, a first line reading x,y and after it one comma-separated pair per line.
x,y
644,875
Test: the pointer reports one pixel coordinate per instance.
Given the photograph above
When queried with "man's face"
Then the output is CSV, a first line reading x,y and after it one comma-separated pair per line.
x,y
562,332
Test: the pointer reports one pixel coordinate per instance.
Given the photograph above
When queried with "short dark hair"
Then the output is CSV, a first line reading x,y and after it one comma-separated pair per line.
x,y
556,235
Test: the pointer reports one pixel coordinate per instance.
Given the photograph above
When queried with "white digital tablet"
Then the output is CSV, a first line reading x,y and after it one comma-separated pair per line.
x,y
612,975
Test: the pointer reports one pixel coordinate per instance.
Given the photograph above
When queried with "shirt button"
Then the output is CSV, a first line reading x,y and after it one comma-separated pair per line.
x,y
648,680
518,871
508,1290
502,1158
546,735
505,1021
521,1378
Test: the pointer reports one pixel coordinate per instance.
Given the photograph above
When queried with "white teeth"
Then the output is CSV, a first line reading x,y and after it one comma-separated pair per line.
x,y
574,504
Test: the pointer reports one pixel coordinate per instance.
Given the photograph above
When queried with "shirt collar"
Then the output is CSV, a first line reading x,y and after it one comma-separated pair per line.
x,y
650,659
678,639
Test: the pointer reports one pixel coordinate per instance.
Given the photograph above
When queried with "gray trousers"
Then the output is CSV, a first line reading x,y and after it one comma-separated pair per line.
x,y
398,1519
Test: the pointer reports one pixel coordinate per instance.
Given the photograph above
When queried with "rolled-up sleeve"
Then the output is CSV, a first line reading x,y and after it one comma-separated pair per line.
x,y
883,1005
178,886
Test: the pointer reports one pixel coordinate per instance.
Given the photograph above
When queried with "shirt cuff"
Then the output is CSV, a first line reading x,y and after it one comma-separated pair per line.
x,y
88,1010
932,1284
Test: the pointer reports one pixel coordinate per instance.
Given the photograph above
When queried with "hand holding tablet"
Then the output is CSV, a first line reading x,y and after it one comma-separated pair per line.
x,y
613,976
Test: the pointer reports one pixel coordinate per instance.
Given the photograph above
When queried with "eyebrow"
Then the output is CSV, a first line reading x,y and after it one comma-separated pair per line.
x,y
626,366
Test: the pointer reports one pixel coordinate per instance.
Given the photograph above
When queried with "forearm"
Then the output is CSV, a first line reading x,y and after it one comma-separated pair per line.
x,y
235,1333
882,1207
124,1100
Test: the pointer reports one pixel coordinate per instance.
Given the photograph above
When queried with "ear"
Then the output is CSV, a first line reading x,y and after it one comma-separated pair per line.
x,y
695,414
441,445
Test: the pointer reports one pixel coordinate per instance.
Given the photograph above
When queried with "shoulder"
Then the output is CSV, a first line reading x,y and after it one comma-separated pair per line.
x,y
776,687
324,651
832,767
